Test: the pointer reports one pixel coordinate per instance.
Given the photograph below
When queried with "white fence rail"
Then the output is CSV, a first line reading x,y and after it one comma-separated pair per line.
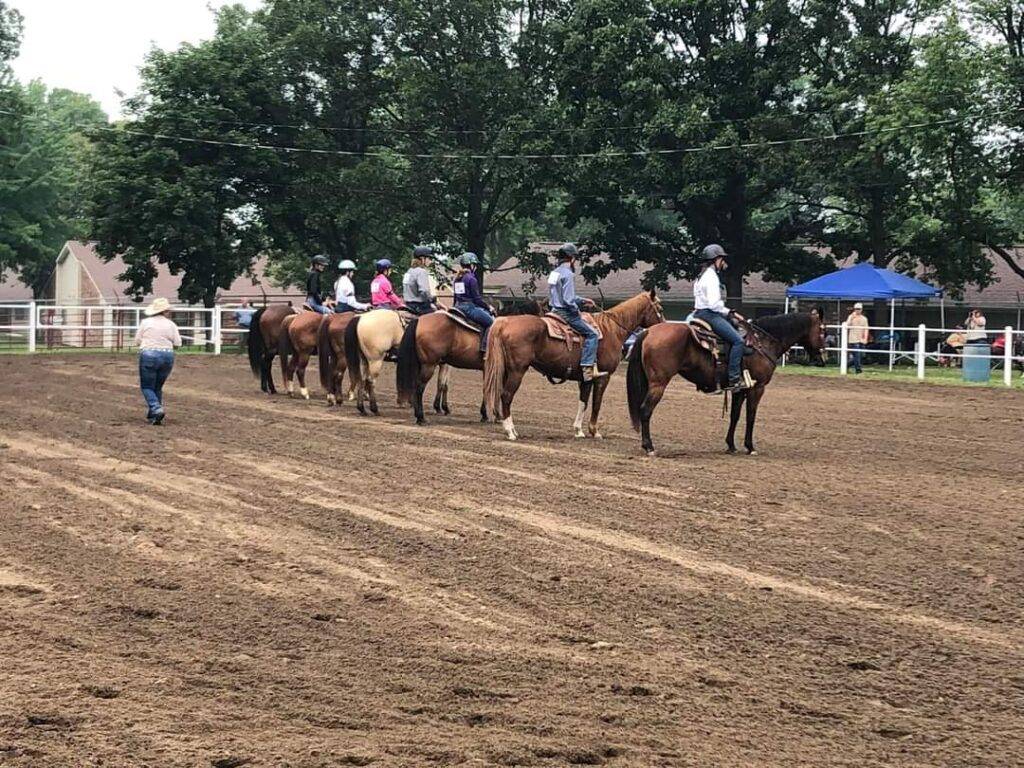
x,y
32,327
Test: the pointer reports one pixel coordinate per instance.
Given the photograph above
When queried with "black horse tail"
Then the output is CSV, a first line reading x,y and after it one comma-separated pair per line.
x,y
353,354
407,372
636,380
325,355
257,347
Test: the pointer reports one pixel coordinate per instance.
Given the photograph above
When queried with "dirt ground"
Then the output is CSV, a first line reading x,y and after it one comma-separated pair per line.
x,y
269,582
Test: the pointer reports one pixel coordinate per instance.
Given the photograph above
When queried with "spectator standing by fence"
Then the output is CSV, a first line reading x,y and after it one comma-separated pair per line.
x,y
243,315
976,327
156,339
857,335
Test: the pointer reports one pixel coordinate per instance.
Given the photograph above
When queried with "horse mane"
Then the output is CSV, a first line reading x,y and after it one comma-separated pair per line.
x,y
632,304
784,326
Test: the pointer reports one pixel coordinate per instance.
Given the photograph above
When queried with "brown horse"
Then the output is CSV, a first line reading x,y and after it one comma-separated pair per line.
x,y
669,349
519,343
435,340
330,345
296,345
264,335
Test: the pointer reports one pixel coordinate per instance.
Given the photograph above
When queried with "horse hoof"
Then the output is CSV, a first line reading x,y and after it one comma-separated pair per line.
x,y
597,436
579,434
649,452
751,452
304,393
421,422
730,450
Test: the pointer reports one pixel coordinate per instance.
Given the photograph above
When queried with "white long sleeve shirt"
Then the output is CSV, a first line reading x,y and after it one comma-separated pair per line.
x,y
707,292
345,293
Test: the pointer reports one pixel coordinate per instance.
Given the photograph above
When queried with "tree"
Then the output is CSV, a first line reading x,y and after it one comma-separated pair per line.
x,y
188,204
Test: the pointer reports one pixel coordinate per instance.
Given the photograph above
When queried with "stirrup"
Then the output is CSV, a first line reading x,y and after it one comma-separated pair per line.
x,y
591,372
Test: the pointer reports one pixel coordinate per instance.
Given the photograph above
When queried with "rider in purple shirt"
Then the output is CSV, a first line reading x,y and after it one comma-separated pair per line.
x,y
468,298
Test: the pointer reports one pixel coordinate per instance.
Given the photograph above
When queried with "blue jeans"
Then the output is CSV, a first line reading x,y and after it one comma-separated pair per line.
x,y
317,306
154,367
856,353
721,325
478,315
575,320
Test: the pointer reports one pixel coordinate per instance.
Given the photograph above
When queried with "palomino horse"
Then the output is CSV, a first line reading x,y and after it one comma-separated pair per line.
x,y
436,340
670,349
296,344
368,339
330,346
518,343
264,333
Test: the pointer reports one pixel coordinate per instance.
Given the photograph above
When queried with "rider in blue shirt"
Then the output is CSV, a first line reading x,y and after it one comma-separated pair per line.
x,y
565,304
468,298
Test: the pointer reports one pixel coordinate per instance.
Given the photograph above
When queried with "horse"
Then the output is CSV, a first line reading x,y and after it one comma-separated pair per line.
x,y
296,344
330,345
435,340
670,349
264,333
368,339
519,343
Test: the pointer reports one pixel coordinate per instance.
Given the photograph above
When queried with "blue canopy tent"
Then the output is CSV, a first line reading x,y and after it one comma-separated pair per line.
x,y
866,281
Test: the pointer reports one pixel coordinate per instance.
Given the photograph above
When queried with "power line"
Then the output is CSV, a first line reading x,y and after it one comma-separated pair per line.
x,y
768,144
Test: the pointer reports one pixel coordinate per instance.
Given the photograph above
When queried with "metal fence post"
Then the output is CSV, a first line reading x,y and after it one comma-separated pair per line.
x,y
32,326
1008,356
844,348
215,321
920,351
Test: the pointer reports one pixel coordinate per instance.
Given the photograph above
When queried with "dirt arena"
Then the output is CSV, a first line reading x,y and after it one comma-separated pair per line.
x,y
267,582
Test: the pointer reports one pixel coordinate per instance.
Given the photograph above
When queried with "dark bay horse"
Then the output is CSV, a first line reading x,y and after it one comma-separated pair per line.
x,y
263,341
296,345
435,340
519,343
330,347
670,349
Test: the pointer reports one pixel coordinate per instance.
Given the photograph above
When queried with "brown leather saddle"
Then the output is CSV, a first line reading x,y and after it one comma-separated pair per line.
x,y
560,330
710,341
459,318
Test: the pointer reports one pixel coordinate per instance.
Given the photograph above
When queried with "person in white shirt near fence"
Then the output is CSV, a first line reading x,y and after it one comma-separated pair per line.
x,y
976,328
156,339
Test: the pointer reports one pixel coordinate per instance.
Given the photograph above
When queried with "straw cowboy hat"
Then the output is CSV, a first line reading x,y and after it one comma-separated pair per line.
x,y
158,306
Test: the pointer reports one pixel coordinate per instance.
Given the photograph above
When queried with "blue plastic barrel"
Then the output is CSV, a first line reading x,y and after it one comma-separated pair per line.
x,y
976,362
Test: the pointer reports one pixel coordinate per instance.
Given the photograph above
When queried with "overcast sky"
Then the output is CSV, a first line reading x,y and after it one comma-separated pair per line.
x,y
97,46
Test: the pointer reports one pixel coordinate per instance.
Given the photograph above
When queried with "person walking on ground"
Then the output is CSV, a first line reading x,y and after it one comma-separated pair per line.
x,y
156,339
857,335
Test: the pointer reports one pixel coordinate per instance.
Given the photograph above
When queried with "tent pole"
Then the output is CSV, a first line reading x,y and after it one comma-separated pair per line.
x,y
786,310
942,311
892,329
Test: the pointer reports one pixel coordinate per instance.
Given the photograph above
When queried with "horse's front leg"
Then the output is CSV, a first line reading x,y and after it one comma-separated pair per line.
x,y
586,387
595,406
753,399
734,417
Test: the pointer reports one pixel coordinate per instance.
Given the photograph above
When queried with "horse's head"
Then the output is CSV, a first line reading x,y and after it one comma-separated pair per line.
x,y
653,313
814,341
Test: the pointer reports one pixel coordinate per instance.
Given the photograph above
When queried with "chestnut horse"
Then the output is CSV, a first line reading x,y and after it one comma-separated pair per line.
x,y
296,345
669,349
330,347
434,340
264,335
519,343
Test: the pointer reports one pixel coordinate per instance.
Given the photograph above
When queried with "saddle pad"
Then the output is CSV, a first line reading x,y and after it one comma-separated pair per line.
x,y
560,330
460,319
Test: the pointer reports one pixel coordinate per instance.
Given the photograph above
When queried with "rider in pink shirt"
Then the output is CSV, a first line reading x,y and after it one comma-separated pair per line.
x,y
382,295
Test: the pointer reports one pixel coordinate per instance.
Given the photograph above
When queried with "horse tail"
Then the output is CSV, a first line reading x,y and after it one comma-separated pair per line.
x,y
325,354
407,372
256,345
636,380
494,367
353,354
284,341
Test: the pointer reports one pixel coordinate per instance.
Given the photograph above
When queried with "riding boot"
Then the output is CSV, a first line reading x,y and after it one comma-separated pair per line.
x,y
590,372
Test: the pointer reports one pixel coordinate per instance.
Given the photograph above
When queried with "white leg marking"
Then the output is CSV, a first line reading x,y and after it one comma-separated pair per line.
x,y
581,411
510,428
305,393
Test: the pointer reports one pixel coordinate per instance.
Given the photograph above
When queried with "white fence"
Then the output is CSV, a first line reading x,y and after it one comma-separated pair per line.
x,y
33,327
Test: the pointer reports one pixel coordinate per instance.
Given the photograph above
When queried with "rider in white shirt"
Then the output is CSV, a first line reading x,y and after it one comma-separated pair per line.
x,y
345,292
710,307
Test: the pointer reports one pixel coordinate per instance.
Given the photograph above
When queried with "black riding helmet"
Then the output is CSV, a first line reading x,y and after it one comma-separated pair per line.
x,y
567,252
712,252
422,252
321,260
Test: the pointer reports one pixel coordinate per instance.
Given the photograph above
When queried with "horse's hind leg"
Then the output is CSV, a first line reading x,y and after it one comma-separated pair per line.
x,y
268,371
441,396
513,379
654,395
483,410
734,417
447,379
586,387
426,372
753,400
301,361
371,385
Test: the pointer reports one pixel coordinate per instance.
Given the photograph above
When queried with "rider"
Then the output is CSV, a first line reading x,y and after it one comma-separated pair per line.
x,y
562,289
382,295
417,289
709,307
468,298
345,292
314,296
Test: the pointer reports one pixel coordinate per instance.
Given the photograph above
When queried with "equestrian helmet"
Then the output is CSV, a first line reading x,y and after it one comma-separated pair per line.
x,y
567,251
712,252
469,259
320,259
422,252
382,264
346,265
